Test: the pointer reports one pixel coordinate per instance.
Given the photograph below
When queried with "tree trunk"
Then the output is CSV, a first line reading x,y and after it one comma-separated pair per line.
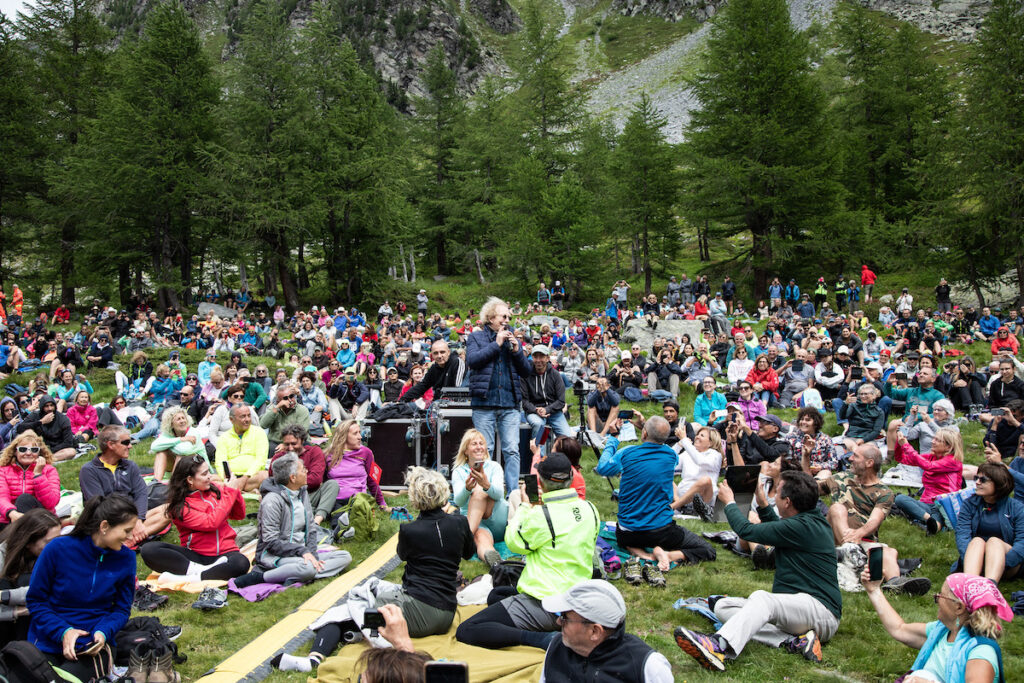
x,y
67,263
972,277
634,254
647,262
401,257
124,284
302,270
479,270
442,252
762,252
412,264
279,248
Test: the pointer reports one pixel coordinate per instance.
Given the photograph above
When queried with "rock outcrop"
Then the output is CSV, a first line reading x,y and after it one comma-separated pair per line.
x,y
672,10
957,19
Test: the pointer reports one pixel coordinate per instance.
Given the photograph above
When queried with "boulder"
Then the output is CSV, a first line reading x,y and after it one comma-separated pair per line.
x,y
638,331
218,310
538,320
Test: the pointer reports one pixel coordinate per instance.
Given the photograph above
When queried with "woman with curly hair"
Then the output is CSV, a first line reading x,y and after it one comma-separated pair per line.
x,y
28,479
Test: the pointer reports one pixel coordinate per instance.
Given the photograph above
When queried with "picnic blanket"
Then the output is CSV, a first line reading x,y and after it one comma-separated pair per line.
x,y
510,665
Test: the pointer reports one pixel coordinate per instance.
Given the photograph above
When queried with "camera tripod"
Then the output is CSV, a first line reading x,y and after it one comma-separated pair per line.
x,y
583,435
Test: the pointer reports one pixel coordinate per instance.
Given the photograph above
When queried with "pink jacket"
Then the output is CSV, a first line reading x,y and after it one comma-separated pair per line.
x,y
82,418
940,474
15,481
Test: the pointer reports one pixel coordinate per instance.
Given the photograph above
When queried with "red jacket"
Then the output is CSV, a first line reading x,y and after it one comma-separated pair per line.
x,y
15,481
1008,342
867,277
204,527
768,379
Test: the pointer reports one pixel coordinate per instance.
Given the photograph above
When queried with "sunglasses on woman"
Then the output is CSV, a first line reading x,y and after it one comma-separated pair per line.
x,y
28,449
981,479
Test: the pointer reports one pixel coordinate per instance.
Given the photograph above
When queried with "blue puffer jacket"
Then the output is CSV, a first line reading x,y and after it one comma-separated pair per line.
x,y
1011,527
481,352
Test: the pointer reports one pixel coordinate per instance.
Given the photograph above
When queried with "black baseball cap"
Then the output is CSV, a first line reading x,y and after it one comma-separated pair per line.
x,y
555,467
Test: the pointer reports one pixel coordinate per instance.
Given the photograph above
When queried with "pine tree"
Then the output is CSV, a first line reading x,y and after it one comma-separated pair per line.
x,y
756,151
261,170
140,165
356,180
646,183
69,47
439,116
992,153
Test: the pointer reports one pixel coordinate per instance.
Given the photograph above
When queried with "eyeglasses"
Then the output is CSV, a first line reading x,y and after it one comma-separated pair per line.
x,y
28,449
981,479
562,619
236,395
24,402
938,596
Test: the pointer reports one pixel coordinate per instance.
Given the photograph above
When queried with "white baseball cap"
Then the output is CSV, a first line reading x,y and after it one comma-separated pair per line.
x,y
595,600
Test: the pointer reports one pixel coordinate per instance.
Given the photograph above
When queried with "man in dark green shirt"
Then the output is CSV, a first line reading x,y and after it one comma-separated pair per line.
x,y
803,609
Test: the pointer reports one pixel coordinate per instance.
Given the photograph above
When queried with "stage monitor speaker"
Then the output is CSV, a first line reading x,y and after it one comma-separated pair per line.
x,y
392,452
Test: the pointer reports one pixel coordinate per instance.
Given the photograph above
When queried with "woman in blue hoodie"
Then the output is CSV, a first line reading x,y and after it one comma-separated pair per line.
x,y
163,387
82,587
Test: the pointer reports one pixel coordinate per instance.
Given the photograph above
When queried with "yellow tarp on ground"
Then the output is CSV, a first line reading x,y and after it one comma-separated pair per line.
x,y
511,665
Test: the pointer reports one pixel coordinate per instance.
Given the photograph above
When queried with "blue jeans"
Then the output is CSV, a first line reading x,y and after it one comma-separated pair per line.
x,y
559,425
506,420
150,429
916,510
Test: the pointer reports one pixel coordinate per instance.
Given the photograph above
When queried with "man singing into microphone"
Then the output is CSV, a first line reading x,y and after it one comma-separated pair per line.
x,y
497,362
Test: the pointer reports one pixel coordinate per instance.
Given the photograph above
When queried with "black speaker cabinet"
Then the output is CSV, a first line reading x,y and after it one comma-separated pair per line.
x,y
392,452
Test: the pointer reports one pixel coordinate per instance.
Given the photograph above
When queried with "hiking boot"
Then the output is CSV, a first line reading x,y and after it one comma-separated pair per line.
x,y
907,585
162,668
344,534
704,511
146,600
808,645
171,632
763,557
139,663
211,598
653,575
632,572
702,647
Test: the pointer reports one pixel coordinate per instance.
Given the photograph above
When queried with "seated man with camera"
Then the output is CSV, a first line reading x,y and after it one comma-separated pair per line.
x,y
602,407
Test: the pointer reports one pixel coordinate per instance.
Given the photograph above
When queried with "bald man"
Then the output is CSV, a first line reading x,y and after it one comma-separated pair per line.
x,y
645,517
445,371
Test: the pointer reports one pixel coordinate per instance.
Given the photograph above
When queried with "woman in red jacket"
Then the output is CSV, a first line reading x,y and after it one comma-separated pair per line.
x,y
201,510
28,478
764,380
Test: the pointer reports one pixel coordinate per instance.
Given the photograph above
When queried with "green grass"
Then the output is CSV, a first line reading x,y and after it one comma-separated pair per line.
x,y
860,651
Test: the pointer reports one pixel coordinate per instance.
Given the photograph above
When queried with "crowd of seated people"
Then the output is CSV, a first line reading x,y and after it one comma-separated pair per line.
x,y
292,440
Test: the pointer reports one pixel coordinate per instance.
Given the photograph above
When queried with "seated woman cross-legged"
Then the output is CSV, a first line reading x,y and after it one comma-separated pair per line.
x,y
990,527
942,472
479,487
288,534
82,587
960,645
200,510
431,546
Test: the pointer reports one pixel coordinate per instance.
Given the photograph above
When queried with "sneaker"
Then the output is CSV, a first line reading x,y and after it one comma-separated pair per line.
x,y
808,645
171,632
345,535
907,585
909,565
653,575
211,598
763,557
632,572
492,557
933,526
146,600
704,511
702,647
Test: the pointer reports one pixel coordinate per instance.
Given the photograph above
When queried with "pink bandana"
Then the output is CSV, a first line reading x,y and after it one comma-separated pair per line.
x,y
976,592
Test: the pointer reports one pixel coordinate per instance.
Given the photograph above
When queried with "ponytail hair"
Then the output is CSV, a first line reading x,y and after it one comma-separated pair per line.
x,y
115,509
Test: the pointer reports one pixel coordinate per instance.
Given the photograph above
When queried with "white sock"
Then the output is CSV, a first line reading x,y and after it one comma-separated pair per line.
x,y
293,663
195,569
168,577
